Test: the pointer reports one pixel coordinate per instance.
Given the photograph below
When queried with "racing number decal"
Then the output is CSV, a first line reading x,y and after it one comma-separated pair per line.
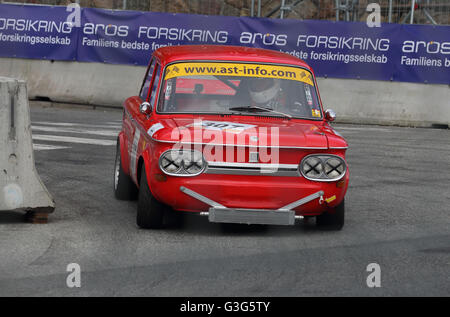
x,y
223,126
133,154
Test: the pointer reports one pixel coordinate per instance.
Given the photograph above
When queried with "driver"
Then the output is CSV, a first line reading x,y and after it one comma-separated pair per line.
x,y
266,92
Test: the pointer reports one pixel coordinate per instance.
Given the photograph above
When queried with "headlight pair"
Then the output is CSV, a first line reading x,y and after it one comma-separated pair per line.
x,y
182,162
324,168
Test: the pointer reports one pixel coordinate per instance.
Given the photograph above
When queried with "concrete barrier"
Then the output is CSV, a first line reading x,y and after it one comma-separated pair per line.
x,y
20,186
73,82
387,103
356,101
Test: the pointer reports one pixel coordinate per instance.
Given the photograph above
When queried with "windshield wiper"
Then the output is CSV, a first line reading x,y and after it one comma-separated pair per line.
x,y
258,109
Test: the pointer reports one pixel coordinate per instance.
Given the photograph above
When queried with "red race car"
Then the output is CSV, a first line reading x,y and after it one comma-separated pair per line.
x,y
233,133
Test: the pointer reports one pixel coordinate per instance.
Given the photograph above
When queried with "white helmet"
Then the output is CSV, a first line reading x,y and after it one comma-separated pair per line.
x,y
263,90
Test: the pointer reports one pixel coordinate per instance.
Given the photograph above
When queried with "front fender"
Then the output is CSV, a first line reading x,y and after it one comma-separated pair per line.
x,y
150,159
123,147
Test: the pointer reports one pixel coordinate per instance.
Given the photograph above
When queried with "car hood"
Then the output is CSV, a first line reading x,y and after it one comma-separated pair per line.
x,y
253,131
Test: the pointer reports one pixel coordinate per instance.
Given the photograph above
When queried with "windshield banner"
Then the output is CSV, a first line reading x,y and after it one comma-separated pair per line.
x,y
239,69
392,52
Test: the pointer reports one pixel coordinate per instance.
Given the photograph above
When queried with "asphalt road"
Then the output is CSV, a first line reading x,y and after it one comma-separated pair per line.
x,y
397,216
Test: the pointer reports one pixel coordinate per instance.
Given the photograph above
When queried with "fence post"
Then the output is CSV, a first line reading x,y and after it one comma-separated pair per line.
x,y
390,11
337,9
413,2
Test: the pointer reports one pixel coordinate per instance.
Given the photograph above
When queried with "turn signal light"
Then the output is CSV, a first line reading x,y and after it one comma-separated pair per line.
x,y
160,177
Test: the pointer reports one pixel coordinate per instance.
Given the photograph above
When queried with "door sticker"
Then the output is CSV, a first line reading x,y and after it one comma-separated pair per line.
x,y
133,154
155,128
316,113
308,95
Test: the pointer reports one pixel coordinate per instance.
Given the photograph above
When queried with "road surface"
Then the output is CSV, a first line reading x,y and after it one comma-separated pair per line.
x,y
397,216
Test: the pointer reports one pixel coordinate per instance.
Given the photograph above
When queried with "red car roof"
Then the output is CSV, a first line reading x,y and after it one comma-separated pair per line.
x,y
170,54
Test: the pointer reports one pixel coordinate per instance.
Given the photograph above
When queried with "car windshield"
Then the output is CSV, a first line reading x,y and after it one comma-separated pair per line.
x,y
239,88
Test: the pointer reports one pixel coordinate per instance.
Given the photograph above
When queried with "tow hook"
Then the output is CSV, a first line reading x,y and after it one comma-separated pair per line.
x,y
327,200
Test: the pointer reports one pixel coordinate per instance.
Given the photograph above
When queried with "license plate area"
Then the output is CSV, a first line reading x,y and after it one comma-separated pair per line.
x,y
252,216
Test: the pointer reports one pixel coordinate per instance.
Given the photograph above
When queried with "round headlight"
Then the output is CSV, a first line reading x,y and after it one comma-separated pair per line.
x,y
171,161
193,162
312,167
334,167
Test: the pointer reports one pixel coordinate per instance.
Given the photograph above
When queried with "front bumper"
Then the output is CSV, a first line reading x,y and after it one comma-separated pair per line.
x,y
282,216
246,192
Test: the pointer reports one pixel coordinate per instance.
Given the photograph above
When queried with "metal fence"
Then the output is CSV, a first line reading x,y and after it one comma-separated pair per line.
x,y
393,11
397,11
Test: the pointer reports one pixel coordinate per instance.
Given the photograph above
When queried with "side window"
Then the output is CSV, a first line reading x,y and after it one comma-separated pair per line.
x,y
147,82
155,85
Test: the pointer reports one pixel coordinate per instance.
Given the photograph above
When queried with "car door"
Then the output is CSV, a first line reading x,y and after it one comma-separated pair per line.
x,y
134,119
143,121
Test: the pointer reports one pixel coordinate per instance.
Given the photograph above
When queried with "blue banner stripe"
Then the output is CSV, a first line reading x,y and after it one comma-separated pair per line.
x,y
409,53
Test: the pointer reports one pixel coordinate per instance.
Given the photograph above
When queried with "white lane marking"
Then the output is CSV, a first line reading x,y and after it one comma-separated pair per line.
x,y
68,139
362,129
45,147
112,133
71,124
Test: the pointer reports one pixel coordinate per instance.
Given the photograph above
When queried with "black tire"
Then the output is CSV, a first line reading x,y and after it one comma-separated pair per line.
x,y
173,219
332,221
124,188
150,212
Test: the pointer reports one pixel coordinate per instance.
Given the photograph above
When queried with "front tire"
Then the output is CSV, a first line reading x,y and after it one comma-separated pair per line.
x,y
124,188
332,221
150,212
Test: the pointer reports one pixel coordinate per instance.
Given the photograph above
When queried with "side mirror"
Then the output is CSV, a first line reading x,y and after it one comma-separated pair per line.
x,y
330,115
146,108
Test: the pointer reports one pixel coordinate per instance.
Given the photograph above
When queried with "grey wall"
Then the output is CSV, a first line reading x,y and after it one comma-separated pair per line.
x,y
86,83
357,101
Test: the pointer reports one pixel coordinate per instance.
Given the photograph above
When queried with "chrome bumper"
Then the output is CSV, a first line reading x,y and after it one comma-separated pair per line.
x,y
282,216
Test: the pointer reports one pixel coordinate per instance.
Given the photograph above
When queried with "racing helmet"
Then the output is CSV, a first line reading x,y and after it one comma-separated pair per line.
x,y
263,90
